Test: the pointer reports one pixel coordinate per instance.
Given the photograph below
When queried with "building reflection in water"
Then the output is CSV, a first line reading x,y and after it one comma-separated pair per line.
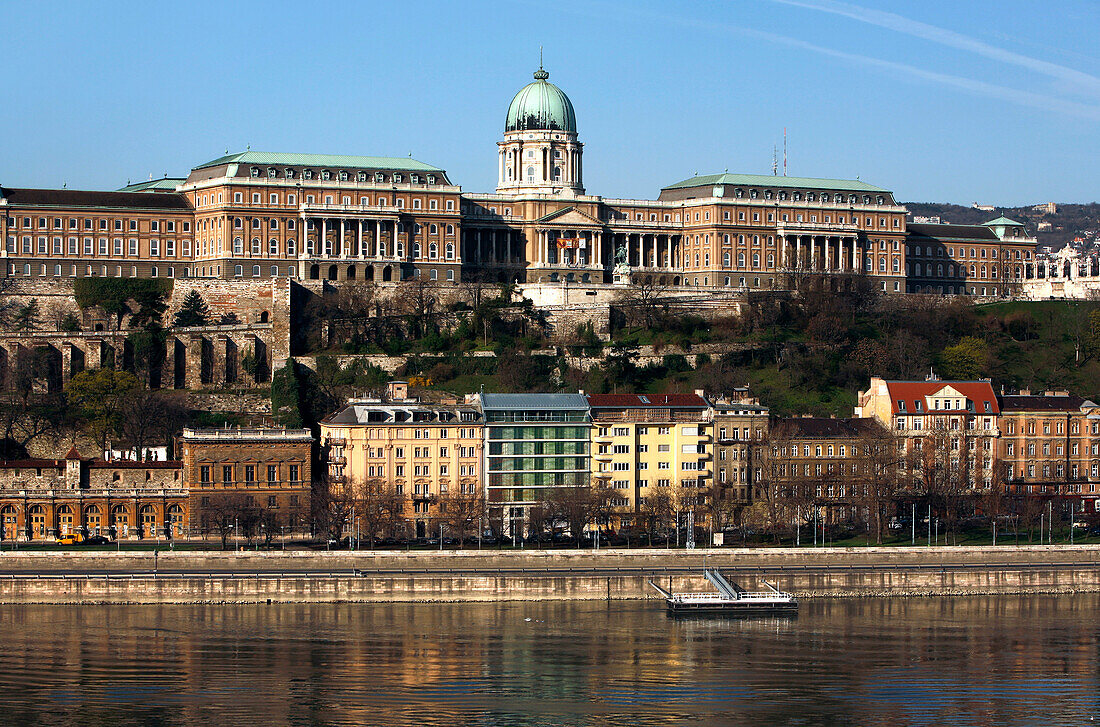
x,y
876,662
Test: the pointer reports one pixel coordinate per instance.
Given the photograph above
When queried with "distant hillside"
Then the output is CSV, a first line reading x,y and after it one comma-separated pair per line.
x,y
1071,220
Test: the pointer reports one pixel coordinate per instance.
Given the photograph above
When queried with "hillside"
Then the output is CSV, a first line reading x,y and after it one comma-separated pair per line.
x,y
1071,220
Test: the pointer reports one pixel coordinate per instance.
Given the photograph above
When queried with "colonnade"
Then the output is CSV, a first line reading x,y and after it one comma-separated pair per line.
x,y
370,239
819,252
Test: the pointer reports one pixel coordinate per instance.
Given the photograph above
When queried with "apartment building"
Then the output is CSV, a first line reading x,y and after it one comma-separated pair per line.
x,y
264,468
646,445
1050,444
428,453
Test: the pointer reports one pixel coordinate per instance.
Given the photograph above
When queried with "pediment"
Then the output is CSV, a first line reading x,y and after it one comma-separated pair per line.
x,y
570,216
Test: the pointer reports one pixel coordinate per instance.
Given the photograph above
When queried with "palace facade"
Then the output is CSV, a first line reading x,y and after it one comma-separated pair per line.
x,y
354,218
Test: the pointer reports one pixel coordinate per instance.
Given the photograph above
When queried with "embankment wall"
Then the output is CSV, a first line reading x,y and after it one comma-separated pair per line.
x,y
468,575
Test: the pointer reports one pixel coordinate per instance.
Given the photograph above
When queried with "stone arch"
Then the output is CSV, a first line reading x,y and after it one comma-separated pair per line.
x,y
387,274
147,519
368,274
36,522
350,273
314,272
92,520
120,524
174,521
333,272
9,523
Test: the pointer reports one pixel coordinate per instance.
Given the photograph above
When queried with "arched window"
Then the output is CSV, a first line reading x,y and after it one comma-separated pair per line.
x,y
450,229
433,251
740,259
725,259
557,174
273,247
255,271
238,246
416,250
530,174
433,229
756,259
255,246
450,251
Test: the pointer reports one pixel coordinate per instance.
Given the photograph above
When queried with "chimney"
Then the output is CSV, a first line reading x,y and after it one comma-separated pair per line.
x,y
397,390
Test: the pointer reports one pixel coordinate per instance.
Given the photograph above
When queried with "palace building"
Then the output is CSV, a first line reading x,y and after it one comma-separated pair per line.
x,y
256,214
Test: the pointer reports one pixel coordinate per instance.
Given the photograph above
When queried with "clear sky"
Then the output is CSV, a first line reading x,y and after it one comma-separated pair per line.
x,y
994,101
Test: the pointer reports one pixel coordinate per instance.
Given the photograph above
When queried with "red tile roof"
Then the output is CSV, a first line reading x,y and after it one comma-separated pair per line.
x,y
980,393
646,401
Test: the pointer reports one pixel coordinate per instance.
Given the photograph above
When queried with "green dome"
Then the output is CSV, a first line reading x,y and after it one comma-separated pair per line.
x,y
541,106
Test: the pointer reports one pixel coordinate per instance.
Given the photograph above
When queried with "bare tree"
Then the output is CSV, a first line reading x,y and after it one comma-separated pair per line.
x,y
878,461
376,508
643,302
573,505
461,511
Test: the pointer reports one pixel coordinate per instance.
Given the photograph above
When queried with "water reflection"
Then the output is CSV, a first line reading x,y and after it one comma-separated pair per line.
x,y
995,661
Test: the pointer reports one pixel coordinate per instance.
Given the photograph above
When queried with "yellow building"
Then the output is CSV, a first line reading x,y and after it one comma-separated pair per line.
x,y
655,450
427,454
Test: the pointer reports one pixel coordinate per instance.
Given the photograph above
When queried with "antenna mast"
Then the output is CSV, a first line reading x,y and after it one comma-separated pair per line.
x,y
775,161
784,151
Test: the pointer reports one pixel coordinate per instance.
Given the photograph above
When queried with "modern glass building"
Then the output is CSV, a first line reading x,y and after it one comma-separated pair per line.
x,y
535,443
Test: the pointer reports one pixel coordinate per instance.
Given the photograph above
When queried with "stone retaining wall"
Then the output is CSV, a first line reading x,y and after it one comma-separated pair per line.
x,y
746,566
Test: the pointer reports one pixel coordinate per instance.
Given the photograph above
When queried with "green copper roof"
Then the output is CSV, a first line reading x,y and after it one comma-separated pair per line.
x,y
322,160
541,106
1003,221
764,180
168,184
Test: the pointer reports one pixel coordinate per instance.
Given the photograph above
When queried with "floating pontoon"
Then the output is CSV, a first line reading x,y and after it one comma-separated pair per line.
x,y
731,600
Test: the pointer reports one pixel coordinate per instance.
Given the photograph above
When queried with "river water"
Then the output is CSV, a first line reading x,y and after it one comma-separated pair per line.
x,y
967,661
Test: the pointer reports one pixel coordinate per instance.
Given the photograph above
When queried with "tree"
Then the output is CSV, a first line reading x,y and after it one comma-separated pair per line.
x,y
417,299
376,508
28,316
149,418
574,506
461,511
69,323
98,397
643,303
965,360
879,460
193,311
223,515
286,396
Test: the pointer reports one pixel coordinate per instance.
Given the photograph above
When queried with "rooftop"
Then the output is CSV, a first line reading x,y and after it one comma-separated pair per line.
x,y
646,401
542,402
168,184
88,198
322,160
765,180
952,232
231,433
1044,402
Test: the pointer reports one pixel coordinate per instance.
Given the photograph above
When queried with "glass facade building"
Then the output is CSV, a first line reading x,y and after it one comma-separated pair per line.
x,y
535,443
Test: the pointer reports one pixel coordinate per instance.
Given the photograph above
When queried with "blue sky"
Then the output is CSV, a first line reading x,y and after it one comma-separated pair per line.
x,y
979,100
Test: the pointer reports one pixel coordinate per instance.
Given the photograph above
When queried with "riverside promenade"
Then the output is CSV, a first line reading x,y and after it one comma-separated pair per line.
x,y
382,576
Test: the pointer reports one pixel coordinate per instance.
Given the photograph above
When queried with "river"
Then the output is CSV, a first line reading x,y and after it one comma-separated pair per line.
x,y
1008,660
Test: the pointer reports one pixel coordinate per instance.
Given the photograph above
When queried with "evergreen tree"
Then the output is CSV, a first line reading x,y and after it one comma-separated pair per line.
x,y
27,317
193,311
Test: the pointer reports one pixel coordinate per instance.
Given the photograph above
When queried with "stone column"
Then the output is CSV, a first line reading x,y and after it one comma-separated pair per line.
x,y
798,251
360,252
323,242
339,249
67,349
193,364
